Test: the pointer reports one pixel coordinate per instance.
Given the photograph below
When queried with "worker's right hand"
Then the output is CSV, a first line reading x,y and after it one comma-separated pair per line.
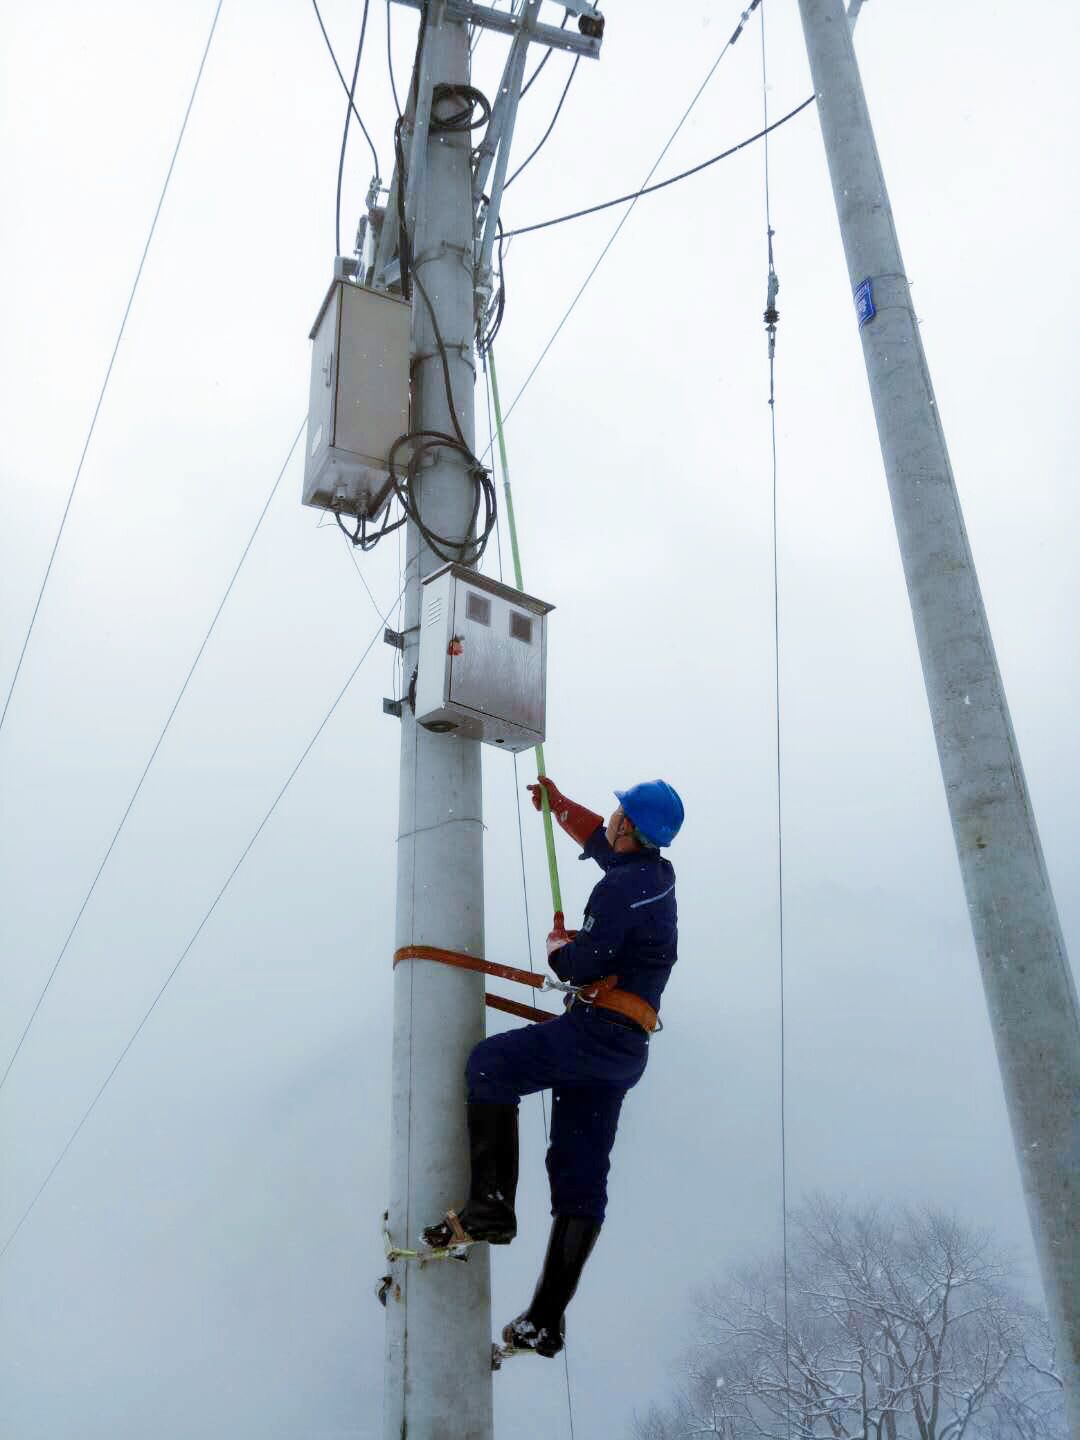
x,y
559,935
578,822
554,794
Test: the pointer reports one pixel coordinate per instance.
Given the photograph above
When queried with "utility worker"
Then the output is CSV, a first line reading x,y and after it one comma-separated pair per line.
x,y
589,1057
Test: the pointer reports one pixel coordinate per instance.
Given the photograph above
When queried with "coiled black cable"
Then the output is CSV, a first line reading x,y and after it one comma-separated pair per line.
x,y
467,552
473,110
465,118
425,442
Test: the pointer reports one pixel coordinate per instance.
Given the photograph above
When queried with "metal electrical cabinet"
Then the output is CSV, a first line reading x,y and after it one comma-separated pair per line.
x,y
482,668
359,401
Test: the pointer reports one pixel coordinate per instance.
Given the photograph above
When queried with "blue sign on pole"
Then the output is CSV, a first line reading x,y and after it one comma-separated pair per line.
x,y
864,303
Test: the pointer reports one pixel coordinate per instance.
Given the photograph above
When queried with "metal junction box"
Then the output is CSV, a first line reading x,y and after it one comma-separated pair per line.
x,y
482,671
359,398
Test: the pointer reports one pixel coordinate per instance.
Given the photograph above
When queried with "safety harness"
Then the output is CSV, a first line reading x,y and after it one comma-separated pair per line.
x,y
605,994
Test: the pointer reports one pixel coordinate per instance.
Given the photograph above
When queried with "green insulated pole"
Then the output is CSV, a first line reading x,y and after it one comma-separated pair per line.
x,y
1030,992
549,834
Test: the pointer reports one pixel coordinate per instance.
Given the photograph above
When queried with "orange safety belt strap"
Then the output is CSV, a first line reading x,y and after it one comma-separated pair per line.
x,y
601,992
605,994
513,1007
468,962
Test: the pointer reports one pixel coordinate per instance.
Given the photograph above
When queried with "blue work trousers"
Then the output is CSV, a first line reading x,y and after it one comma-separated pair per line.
x,y
588,1063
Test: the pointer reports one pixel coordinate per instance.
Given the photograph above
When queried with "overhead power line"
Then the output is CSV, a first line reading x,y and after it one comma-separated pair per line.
x,y
153,756
348,120
112,362
543,139
626,216
390,61
546,57
660,184
197,931
345,83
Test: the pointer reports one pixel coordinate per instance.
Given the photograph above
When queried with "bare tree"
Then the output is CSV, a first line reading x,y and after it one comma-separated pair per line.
x,y
899,1327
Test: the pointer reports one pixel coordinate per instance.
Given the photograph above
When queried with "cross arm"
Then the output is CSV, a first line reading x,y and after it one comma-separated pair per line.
x,y
502,20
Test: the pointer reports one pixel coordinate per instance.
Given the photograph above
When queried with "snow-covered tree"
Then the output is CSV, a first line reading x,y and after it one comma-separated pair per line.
x,y
900,1326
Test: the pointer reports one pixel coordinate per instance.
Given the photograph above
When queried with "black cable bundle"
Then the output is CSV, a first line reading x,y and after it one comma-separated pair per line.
x,y
466,552
465,118
473,110
490,322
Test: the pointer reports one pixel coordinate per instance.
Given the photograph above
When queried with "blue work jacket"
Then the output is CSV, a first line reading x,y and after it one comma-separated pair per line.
x,y
630,927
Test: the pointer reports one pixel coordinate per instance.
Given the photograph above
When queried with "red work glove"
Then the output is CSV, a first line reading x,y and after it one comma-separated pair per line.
x,y
578,822
559,935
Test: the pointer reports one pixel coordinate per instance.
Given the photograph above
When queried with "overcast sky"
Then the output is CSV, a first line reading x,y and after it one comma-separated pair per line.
x,y
203,1261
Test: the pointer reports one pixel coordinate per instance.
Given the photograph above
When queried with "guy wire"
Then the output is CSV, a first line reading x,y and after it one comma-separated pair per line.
x,y
771,318
198,930
150,761
625,216
112,362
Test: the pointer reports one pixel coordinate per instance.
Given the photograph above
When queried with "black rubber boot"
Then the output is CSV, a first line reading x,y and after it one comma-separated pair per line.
x,y
542,1327
488,1214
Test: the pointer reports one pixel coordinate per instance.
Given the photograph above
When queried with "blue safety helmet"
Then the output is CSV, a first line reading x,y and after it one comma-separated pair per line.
x,y
654,809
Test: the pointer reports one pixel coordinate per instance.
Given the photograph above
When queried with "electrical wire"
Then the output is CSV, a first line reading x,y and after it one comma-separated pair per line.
x,y
636,195
421,34
404,250
153,756
401,165
112,362
348,121
427,442
348,92
485,489
196,933
558,110
546,57
771,318
390,62
356,566
623,219
473,111
491,321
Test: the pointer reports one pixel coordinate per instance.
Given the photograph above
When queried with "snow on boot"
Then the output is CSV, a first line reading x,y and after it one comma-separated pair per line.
x,y
522,1334
542,1327
488,1214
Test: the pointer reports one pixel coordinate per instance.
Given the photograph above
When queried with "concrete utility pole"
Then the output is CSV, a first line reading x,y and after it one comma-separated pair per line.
x,y
438,1332
1029,988
438,1335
